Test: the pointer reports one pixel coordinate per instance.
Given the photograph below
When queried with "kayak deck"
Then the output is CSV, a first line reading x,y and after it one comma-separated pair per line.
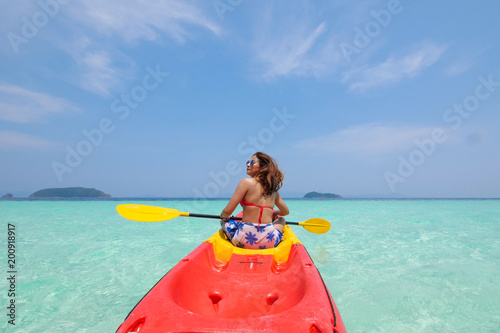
x,y
220,288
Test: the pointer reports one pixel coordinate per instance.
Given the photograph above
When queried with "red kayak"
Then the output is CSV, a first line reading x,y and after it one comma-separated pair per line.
x,y
222,288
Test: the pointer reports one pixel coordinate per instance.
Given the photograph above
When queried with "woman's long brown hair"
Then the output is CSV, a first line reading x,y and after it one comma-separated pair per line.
x,y
269,176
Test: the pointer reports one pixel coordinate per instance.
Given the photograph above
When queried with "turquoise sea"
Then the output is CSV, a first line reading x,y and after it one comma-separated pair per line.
x,y
391,265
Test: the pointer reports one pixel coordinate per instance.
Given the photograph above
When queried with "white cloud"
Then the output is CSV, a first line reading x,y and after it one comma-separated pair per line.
x,y
93,33
463,63
368,140
20,105
395,69
98,75
304,38
100,71
290,54
101,67
296,39
137,19
11,140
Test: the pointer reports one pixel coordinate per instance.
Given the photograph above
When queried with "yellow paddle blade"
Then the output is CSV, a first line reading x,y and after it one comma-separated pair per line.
x,y
316,225
145,213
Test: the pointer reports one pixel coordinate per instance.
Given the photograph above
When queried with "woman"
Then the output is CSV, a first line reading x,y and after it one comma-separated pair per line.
x,y
262,226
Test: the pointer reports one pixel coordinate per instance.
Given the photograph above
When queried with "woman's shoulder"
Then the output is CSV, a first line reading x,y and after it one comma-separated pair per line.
x,y
248,181
250,185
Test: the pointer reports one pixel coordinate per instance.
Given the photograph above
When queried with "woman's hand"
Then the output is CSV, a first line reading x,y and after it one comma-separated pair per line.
x,y
224,217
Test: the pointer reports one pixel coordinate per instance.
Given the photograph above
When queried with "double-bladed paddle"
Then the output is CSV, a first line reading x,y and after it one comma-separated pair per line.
x,y
144,213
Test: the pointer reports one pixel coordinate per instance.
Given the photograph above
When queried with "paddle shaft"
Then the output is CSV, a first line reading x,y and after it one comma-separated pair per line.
x,y
144,213
231,218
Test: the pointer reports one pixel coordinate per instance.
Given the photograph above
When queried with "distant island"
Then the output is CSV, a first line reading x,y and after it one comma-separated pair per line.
x,y
7,196
69,192
316,195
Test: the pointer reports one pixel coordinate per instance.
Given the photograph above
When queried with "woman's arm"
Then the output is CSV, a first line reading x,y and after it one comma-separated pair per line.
x,y
238,195
282,207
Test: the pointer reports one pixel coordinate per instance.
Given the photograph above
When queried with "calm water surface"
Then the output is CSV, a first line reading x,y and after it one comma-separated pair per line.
x,y
391,265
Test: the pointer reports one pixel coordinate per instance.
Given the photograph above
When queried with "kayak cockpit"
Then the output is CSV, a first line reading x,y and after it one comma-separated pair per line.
x,y
241,283
224,249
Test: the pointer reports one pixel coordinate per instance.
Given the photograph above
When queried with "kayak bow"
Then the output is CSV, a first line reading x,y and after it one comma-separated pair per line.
x,y
222,288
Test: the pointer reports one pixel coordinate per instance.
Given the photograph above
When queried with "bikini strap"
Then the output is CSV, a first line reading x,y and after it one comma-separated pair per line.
x,y
246,203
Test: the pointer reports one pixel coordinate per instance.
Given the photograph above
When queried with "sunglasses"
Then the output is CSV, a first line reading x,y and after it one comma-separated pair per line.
x,y
251,162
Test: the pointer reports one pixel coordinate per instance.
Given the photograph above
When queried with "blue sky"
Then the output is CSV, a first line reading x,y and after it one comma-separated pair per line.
x,y
170,98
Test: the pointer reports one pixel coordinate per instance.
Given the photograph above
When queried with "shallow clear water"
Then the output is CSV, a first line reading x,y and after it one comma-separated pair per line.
x,y
391,265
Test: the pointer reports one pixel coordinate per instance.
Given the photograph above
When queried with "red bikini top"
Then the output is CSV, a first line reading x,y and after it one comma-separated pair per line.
x,y
246,203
